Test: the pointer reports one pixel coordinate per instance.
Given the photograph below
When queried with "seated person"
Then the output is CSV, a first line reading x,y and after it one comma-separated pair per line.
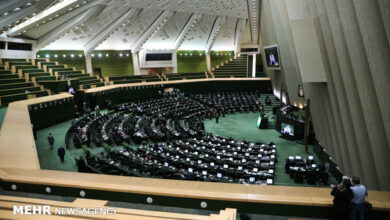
x,y
267,100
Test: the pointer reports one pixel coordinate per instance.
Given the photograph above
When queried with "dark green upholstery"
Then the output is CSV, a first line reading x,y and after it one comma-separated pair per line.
x,y
32,71
55,86
9,81
235,68
38,74
5,72
17,68
17,97
61,69
19,90
8,76
44,78
16,85
87,86
69,72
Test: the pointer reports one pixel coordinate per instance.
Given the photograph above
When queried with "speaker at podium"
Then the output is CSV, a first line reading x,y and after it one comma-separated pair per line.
x,y
262,121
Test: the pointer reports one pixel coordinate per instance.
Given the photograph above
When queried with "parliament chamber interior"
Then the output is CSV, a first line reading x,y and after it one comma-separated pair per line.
x,y
194,109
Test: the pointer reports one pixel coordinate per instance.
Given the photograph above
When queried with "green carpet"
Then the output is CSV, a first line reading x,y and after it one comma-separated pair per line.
x,y
3,110
48,158
241,126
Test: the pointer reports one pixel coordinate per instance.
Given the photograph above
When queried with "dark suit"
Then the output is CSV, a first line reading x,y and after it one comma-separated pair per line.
x,y
61,153
341,203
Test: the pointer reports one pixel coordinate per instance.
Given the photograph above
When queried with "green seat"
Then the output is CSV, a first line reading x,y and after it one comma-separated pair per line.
x,y
16,85
61,69
17,68
19,90
30,75
17,97
8,76
44,78
32,71
5,72
55,66
9,81
69,72
88,86
89,81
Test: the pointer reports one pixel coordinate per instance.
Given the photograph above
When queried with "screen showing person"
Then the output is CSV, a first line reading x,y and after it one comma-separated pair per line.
x,y
300,91
272,56
287,129
259,121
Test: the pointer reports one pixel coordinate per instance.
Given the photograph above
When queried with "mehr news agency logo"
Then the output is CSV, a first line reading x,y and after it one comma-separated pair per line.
x,y
48,210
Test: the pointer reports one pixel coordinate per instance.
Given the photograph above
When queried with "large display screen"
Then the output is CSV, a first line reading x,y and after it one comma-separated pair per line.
x,y
272,56
287,129
158,56
300,91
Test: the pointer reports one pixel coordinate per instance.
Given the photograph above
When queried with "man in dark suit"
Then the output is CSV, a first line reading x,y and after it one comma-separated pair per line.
x,y
61,153
50,138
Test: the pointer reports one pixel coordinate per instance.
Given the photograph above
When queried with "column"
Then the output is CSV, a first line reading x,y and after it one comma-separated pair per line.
x,y
208,62
174,63
254,66
88,63
137,70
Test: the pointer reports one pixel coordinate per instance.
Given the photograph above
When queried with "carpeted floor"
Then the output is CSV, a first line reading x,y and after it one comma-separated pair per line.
x,y
241,126
3,110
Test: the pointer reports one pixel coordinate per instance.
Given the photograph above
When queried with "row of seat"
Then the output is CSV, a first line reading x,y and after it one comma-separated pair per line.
x,y
207,158
308,169
237,67
184,76
132,79
16,84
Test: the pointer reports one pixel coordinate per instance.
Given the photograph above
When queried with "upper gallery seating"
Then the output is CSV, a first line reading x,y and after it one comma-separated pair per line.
x,y
132,79
237,67
62,72
183,76
14,85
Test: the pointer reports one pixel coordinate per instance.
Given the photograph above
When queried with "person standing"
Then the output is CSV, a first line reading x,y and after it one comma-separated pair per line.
x,y
359,193
61,153
216,116
51,140
342,197
97,110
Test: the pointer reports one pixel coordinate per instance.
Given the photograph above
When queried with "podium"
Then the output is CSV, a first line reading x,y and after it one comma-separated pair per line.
x,y
263,121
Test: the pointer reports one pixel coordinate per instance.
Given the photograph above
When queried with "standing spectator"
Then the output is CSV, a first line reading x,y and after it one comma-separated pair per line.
x,y
323,170
61,153
342,197
359,193
51,140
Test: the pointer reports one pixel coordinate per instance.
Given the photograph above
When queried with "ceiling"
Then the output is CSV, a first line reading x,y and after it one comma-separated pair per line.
x,y
132,24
